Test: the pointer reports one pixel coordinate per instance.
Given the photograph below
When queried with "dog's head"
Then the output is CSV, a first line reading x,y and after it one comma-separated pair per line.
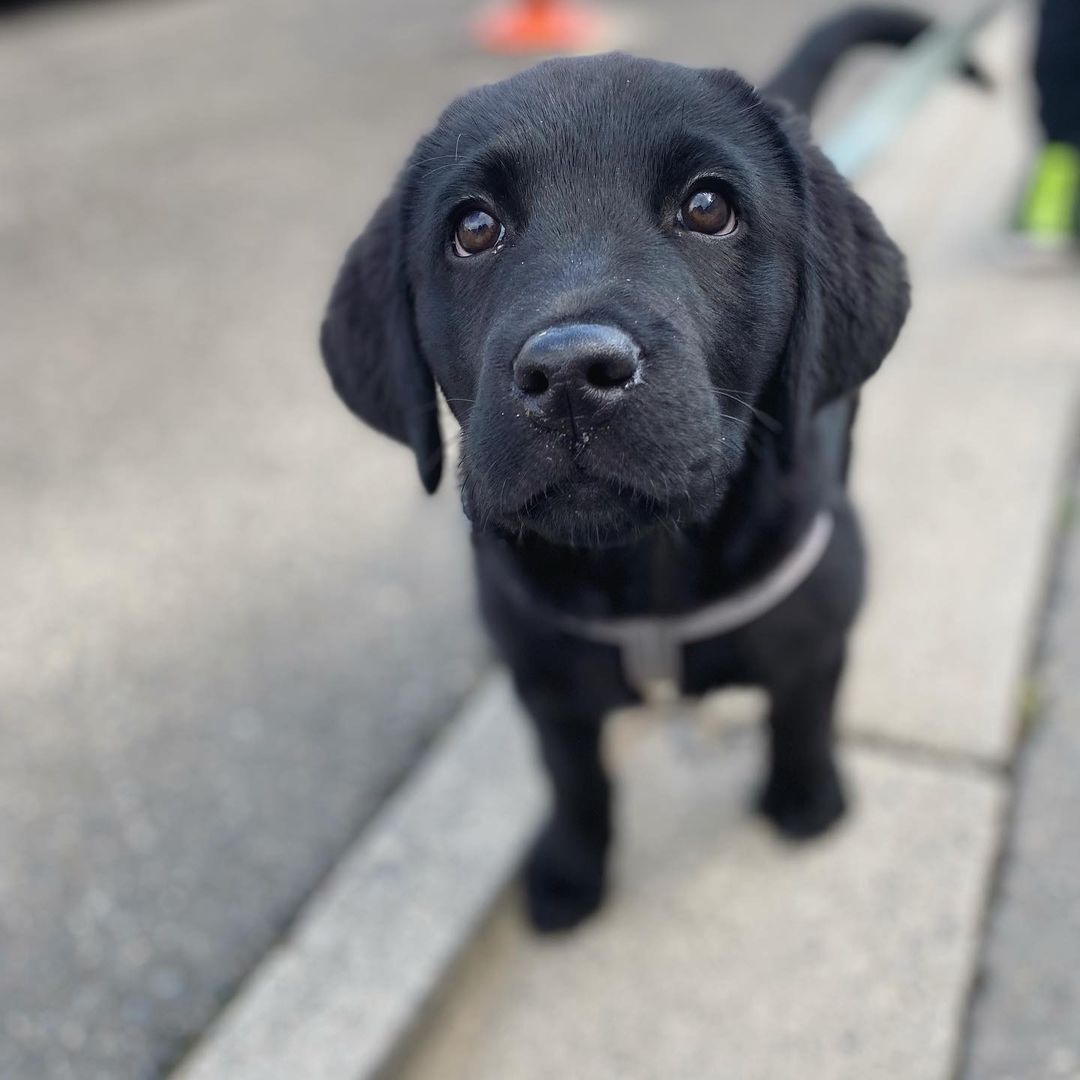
x,y
617,271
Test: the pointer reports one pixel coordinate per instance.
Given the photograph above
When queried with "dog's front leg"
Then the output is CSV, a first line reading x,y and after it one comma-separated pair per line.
x,y
803,794
565,870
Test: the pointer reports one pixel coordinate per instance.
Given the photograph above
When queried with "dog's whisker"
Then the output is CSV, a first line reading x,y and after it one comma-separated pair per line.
x,y
737,419
770,422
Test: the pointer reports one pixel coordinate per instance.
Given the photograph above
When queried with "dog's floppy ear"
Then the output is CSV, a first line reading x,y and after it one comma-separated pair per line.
x,y
853,291
369,343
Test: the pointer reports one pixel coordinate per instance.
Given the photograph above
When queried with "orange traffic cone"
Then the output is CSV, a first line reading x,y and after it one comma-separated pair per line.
x,y
524,26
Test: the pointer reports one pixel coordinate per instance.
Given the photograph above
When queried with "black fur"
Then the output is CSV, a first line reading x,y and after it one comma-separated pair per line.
x,y
679,487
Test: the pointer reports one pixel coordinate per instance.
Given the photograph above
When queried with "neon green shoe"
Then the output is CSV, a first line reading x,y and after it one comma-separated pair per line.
x,y
1049,214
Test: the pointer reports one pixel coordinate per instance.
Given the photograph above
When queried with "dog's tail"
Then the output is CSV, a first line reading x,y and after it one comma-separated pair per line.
x,y
803,74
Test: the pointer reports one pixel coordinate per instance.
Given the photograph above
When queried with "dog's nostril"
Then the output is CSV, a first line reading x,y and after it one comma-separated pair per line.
x,y
610,373
533,381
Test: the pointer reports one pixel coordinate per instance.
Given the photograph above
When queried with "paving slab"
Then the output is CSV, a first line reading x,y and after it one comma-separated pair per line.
x,y
958,474
965,434
727,953
1026,1016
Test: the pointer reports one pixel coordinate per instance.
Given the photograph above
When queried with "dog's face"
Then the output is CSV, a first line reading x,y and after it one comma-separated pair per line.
x,y
603,278
615,269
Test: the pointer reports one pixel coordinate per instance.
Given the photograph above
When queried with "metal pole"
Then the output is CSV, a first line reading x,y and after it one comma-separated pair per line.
x,y
940,51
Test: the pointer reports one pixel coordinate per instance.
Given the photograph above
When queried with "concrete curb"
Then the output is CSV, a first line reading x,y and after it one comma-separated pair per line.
x,y
338,995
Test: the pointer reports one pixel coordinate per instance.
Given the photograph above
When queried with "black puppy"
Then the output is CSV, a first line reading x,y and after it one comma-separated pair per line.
x,y
649,300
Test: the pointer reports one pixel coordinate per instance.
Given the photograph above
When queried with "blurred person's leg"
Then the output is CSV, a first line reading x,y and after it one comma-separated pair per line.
x,y
1057,71
1050,211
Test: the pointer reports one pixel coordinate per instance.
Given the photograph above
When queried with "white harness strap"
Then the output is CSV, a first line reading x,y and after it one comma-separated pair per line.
x,y
651,646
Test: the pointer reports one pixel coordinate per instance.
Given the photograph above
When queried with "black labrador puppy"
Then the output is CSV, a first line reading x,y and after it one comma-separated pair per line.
x,y
650,301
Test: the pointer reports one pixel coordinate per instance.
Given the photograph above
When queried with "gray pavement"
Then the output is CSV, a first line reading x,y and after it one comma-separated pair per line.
x,y
226,631
230,620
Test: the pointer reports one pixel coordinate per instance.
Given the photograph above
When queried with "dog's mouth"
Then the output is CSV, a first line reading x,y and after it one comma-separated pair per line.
x,y
608,493
588,511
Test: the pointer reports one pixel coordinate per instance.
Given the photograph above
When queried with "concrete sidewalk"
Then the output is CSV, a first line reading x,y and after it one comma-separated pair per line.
x,y
725,953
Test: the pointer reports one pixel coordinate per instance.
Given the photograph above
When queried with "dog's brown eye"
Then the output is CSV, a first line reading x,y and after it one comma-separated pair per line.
x,y
476,231
708,211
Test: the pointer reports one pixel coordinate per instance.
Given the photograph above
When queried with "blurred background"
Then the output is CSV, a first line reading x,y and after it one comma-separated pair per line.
x,y
231,619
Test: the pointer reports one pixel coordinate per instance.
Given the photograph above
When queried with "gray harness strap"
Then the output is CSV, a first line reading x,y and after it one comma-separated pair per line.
x,y
651,647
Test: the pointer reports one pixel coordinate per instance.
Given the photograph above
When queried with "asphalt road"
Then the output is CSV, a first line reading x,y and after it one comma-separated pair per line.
x,y
231,619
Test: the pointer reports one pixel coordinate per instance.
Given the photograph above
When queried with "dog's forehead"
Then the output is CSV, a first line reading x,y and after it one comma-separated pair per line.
x,y
603,109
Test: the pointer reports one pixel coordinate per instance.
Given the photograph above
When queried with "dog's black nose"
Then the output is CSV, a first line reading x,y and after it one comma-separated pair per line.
x,y
576,367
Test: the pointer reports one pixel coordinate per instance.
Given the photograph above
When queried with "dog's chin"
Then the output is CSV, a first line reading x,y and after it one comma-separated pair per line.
x,y
589,513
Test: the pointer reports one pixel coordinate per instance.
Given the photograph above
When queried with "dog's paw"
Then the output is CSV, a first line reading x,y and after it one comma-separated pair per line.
x,y
805,807
564,882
